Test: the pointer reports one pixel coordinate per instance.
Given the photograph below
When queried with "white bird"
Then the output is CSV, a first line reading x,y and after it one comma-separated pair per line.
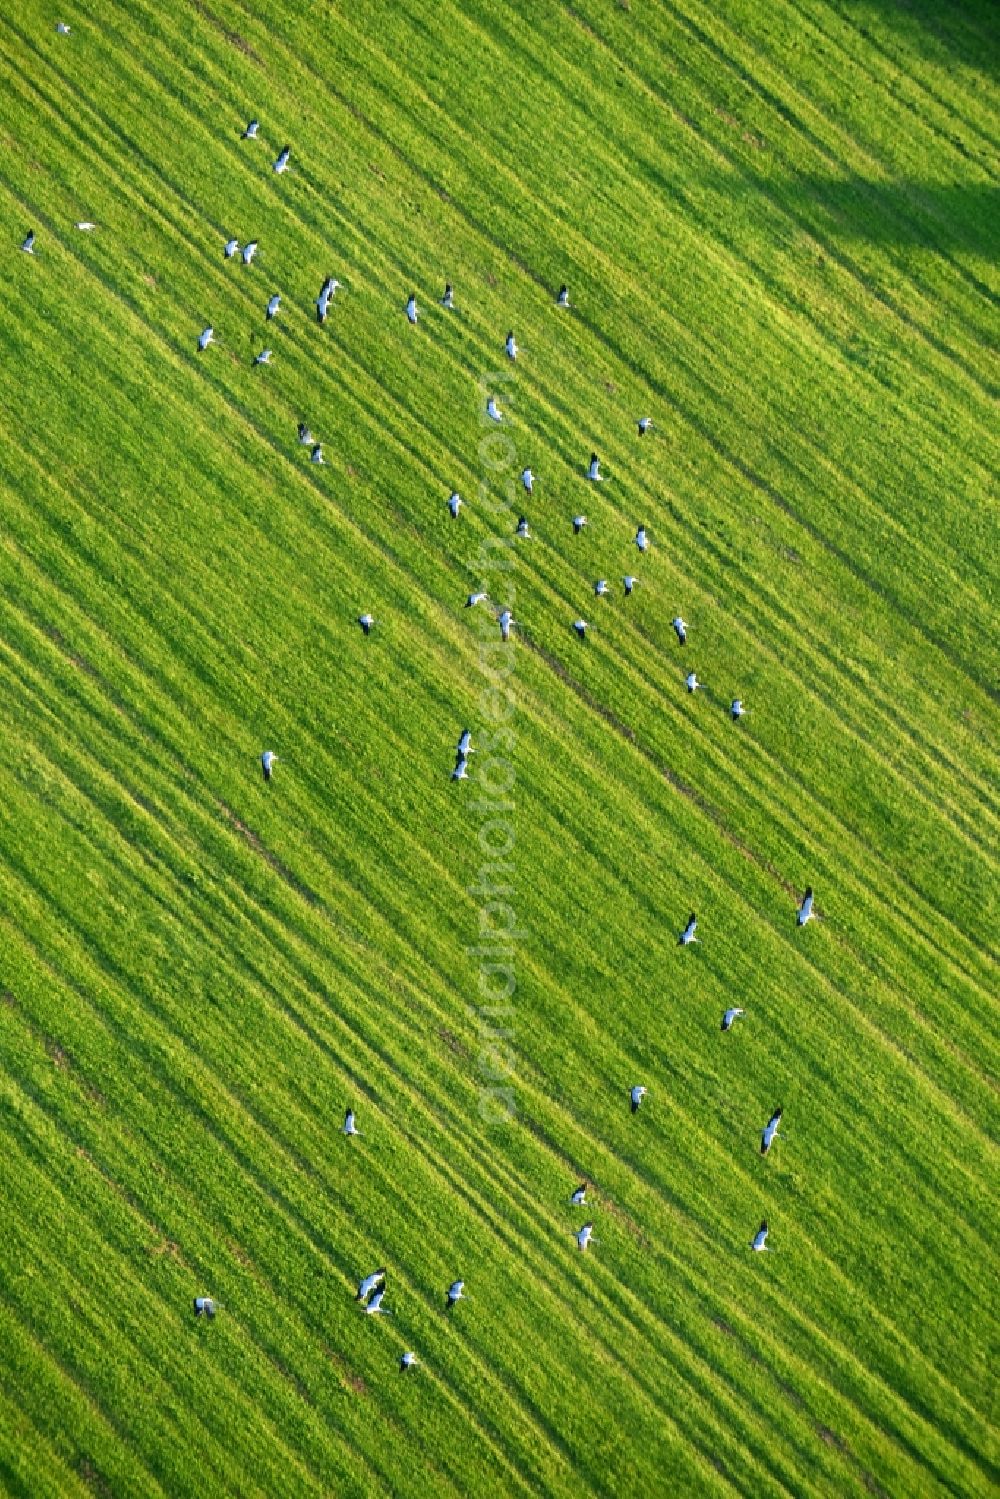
x,y
316,456
629,582
522,528
506,620
465,744
579,521
454,504
641,539
29,243
204,1306
636,1095
411,308
691,682
770,1130
730,1017
737,709
645,422
760,1238
249,251
374,1307
366,621
448,300
350,1128
282,161
231,247
267,763
681,629
408,1361
62,28
493,410
581,627
601,587
461,771
85,225
476,598
579,1197
562,300
250,133
264,357
584,1236
511,346
688,935
594,471
305,436
369,1284
273,306
527,479
806,908
206,338
456,1292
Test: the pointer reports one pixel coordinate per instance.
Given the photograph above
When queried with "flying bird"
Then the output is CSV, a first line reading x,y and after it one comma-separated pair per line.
x,y
506,620
267,762
691,682
366,621
760,1238
636,1095
249,251
448,300
629,582
493,410
680,629
282,161
581,627
411,308
316,456
273,306
562,300
688,935
594,471
204,1306
85,225
350,1128
528,479
601,587
250,133
770,1130
454,505
476,598
730,1018
465,744
408,1361
305,436
579,1197
206,338
579,521
374,1307
584,1236
522,528
29,243
456,1292
231,247
645,422
641,539
806,908
369,1284
736,708
264,357
510,345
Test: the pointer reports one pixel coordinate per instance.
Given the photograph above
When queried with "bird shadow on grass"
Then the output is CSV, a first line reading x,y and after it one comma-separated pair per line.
x,y
962,31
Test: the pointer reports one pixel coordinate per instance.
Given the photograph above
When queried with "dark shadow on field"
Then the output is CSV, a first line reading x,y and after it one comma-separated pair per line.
x,y
961,31
959,216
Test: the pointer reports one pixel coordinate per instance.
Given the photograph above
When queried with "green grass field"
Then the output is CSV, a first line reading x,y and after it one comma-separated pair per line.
x,y
778,220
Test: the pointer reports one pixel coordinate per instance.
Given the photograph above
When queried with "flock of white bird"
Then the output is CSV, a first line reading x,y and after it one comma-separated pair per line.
x,y
372,1288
